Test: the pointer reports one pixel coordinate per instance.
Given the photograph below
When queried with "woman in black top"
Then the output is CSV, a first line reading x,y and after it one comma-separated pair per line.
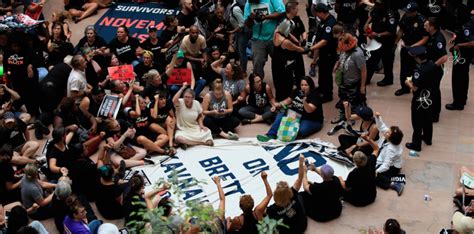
x,y
247,221
58,47
109,200
217,108
124,46
359,187
59,156
305,101
93,46
283,60
259,102
145,66
288,205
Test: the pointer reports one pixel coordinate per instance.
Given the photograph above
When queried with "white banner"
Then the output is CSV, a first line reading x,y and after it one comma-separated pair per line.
x,y
239,165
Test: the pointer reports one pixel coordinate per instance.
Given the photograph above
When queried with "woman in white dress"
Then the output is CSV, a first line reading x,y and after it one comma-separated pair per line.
x,y
189,117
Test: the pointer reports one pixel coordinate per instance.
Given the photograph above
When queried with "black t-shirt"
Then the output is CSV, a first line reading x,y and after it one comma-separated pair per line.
x,y
125,52
163,112
84,47
16,64
140,69
6,175
361,182
155,48
61,49
293,215
313,98
58,77
166,35
63,159
15,136
106,201
346,11
150,91
413,29
299,27
326,200
186,20
133,204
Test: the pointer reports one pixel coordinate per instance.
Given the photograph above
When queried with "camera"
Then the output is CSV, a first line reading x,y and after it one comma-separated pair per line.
x,y
259,17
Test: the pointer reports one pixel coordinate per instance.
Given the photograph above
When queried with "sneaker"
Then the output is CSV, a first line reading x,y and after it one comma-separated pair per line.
x,y
148,161
265,138
336,128
398,187
413,147
246,121
233,136
351,131
337,120
122,169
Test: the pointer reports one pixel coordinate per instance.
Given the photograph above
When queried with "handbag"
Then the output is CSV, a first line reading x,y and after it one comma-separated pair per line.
x,y
289,127
126,151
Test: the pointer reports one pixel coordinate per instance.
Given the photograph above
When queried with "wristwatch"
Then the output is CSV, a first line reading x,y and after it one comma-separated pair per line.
x,y
378,35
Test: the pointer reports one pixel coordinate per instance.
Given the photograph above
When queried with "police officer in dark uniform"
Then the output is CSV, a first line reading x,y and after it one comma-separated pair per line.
x,y
384,28
413,34
346,15
326,44
436,49
422,85
463,52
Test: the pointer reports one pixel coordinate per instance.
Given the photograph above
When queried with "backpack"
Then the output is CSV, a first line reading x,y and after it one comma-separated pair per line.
x,y
238,3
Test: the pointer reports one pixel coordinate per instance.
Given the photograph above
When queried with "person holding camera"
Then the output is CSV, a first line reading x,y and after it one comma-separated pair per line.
x,y
262,17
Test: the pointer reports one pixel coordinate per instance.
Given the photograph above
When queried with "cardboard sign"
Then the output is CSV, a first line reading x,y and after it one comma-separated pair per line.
x,y
123,73
109,107
179,76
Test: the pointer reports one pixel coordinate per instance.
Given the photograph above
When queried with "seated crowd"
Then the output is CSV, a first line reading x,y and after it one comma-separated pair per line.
x,y
61,94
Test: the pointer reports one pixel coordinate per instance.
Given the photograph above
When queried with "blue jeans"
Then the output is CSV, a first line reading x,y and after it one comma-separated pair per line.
x,y
307,127
198,87
94,226
241,42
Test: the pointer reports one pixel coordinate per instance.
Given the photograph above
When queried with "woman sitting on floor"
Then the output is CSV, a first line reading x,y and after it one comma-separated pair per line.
x,y
217,109
259,102
305,101
189,118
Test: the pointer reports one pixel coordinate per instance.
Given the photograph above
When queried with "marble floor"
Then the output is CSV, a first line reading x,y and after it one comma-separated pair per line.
x,y
433,173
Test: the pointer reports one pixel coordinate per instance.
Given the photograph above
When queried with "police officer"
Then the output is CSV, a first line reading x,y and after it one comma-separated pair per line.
x,y
436,49
422,85
463,50
326,44
384,28
346,15
413,34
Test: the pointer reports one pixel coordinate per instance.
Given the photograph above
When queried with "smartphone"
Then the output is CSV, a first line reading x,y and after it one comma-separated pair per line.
x,y
164,194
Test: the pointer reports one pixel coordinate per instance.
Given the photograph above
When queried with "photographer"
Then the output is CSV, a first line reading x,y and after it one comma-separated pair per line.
x,y
262,17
